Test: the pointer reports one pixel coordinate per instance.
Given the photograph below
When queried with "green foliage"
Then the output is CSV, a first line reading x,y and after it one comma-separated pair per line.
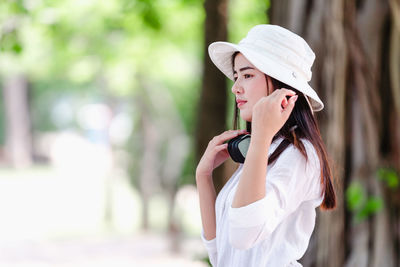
x,y
372,206
10,42
148,11
355,196
16,6
206,260
112,50
244,15
389,177
360,204
2,120
108,44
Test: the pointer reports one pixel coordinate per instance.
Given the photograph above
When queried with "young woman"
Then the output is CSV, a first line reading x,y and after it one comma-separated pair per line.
x,y
265,213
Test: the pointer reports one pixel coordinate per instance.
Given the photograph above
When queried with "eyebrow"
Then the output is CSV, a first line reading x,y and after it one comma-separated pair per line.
x,y
242,69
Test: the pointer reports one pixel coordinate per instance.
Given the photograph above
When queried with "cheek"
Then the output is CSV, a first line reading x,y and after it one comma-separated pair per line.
x,y
259,90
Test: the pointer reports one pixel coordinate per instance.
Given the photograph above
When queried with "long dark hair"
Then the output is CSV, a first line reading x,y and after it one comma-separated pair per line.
x,y
300,125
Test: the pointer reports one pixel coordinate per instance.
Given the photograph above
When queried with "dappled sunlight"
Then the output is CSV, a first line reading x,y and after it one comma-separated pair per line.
x,y
57,219
81,210
97,132
144,250
187,209
71,153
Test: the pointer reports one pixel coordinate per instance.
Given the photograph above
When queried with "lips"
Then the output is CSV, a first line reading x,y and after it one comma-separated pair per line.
x,y
240,102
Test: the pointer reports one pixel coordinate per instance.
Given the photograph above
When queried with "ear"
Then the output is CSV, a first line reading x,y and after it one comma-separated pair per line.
x,y
270,85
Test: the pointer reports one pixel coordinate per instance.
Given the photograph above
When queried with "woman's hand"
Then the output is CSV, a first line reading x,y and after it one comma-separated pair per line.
x,y
216,153
271,112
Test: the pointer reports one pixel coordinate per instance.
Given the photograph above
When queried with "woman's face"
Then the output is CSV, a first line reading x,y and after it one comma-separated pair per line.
x,y
250,85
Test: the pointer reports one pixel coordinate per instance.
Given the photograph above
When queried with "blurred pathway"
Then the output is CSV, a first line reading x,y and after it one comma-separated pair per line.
x,y
143,250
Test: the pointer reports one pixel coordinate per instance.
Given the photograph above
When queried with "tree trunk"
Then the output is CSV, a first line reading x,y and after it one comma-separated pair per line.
x,y
18,142
212,107
149,162
356,73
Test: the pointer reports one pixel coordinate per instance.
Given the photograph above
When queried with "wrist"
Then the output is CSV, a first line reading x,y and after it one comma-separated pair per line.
x,y
261,139
204,183
203,177
262,133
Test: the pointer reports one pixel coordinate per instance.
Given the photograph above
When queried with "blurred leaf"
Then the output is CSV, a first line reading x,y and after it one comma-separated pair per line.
x,y
359,204
148,11
373,206
10,43
244,15
355,196
17,6
206,260
389,176
17,48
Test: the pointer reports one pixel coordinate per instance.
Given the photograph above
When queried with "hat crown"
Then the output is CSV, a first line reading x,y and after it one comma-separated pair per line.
x,y
283,44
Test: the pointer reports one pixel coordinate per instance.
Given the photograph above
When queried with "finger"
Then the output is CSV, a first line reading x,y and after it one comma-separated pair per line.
x,y
220,147
283,94
290,105
293,99
284,102
286,92
217,149
227,135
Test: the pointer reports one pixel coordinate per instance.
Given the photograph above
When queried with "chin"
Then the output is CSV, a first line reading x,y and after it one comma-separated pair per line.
x,y
245,117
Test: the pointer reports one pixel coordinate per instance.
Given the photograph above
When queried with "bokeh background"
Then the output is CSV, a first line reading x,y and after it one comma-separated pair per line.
x,y
107,107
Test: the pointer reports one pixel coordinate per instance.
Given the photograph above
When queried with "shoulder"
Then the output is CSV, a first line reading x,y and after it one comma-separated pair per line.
x,y
306,170
295,156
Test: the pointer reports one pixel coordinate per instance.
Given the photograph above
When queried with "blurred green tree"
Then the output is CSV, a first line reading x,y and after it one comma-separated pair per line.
x,y
124,53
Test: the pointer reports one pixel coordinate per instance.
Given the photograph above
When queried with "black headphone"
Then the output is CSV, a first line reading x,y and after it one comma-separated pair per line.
x,y
238,146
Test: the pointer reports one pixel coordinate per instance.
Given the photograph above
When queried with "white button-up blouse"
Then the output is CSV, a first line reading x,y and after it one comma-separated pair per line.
x,y
273,231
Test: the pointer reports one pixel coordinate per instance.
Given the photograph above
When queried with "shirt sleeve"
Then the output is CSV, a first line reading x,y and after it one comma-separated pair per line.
x,y
211,247
289,183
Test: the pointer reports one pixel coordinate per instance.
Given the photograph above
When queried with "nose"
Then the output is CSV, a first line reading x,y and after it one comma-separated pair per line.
x,y
237,87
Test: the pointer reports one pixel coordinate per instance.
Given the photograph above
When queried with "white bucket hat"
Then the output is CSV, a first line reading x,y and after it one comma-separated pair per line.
x,y
276,52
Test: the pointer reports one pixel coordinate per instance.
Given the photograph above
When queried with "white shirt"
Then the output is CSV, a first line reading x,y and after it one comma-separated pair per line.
x,y
273,231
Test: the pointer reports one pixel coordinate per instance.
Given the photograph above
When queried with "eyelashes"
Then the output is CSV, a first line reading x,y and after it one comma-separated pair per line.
x,y
246,76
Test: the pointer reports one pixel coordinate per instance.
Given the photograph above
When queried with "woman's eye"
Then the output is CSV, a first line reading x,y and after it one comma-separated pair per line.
x,y
247,76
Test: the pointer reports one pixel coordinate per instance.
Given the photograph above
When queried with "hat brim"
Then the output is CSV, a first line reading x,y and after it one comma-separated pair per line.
x,y
221,55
